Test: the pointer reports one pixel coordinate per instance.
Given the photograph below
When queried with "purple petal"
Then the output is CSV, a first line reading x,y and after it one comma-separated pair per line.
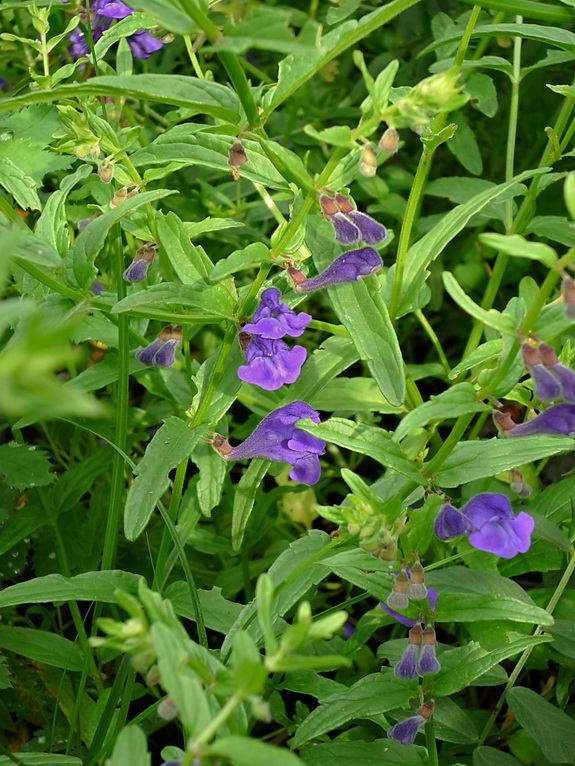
x,y
306,470
114,9
406,731
487,507
372,232
546,387
146,355
566,378
273,319
504,538
405,668
432,598
346,232
399,617
136,271
271,363
349,267
166,355
97,287
557,420
427,665
451,523
142,44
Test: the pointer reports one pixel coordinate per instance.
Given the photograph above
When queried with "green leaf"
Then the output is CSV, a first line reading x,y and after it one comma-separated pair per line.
x,y
248,257
39,645
23,466
41,759
452,723
334,356
365,571
557,228
481,354
171,444
79,263
458,400
202,96
52,224
169,15
563,633
130,749
478,459
461,666
550,727
481,88
20,185
125,27
206,304
25,245
337,135
562,38
190,262
90,586
245,496
352,395
219,613
372,695
245,751
491,318
380,752
212,473
518,246
464,145
430,246
367,440
489,756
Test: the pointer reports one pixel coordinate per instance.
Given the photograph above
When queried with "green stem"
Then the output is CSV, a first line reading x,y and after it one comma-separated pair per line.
x,y
193,57
434,340
526,654
334,329
431,742
421,174
211,729
120,438
175,500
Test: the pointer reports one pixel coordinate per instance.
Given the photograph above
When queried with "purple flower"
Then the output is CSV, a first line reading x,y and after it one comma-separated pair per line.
x,y
408,622
371,232
277,438
349,267
113,9
97,287
137,270
546,387
143,44
270,363
495,528
273,319
565,376
405,668
406,731
558,420
427,664
161,352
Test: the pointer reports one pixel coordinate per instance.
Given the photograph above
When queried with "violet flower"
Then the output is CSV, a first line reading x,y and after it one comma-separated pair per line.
x,y
348,267
371,232
407,621
406,731
565,376
137,270
161,352
406,667
143,44
271,363
428,664
277,438
495,528
273,319
558,420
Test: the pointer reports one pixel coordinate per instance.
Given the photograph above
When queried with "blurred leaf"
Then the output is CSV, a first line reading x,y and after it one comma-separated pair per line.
x,y
41,646
24,466
20,185
244,751
90,586
550,727
464,145
516,245
380,752
130,749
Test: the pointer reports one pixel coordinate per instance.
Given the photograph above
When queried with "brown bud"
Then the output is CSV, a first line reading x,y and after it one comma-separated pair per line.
x,y
244,339
530,355
296,277
236,158
548,355
328,205
389,141
344,204
503,420
415,635
221,445
119,197
106,171
426,710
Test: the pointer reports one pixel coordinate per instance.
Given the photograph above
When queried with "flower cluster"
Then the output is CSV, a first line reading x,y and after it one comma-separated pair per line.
x,y
409,585
270,361
490,523
142,43
277,438
161,352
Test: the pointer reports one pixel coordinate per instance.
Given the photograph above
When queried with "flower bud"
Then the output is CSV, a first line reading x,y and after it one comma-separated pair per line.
x,y
519,485
397,599
405,732
388,143
167,711
416,590
120,196
368,161
161,351
545,386
237,158
427,664
406,667
153,676
138,269
106,171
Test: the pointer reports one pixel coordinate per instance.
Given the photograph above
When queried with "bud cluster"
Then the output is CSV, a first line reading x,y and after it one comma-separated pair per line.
x,y
409,585
375,535
419,658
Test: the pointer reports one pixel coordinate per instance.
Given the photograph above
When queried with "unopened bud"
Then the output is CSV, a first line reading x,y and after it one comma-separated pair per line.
x,y
353,528
237,158
568,291
519,485
153,676
119,197
106,171
167,711
328,205
368,161
503,420
416,590
389,142
426,710
397,599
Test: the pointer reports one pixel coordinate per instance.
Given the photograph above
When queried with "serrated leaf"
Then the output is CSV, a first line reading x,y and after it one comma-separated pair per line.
x,y
550,727
458,400
90,586
79,265
23,467
42,646
171,444
367,440
369,696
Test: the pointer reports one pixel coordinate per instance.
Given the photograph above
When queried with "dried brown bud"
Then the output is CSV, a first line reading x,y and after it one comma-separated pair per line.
x,y
388,143
328,205
237,158
344,204
106,171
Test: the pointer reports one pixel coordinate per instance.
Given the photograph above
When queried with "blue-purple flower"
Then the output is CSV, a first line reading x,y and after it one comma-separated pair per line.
x,y
271,363
490,523
350,225
428,664
406,731
546,387
406,667
407,621
277,438
273,319
564,375
558,420
137,270
161,352
348,267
